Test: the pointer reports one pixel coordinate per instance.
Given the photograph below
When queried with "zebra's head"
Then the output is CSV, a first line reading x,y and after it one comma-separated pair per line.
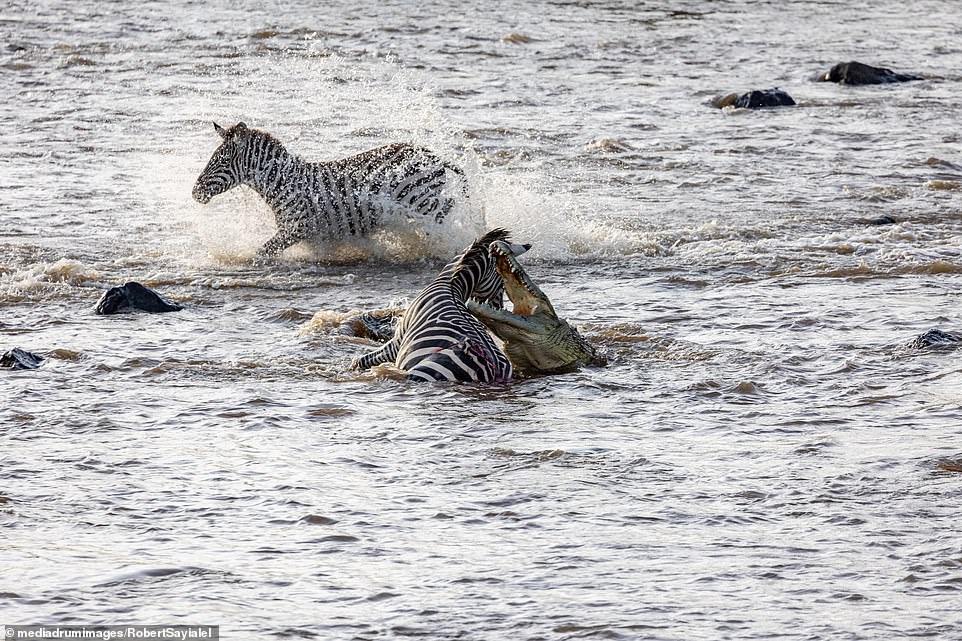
x,y
478,267
225,169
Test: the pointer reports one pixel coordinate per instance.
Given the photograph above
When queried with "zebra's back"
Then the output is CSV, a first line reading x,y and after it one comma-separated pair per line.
x,y
352,196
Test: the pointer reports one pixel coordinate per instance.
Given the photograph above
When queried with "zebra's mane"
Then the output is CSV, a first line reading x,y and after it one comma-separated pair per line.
x,y
480,246
257,136
244,130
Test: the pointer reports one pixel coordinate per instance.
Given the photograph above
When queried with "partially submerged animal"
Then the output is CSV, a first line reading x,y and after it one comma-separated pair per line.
x,y
132,297
437,338
377,325
857,73
535,339
755,99
326,200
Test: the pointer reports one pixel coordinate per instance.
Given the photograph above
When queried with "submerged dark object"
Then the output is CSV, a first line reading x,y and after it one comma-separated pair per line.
x,y
377,325
755,99
856,73
882,220
133,296
935,338
18,358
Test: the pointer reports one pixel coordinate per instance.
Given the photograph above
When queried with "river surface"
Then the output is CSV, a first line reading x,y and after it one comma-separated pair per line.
x,y
763,458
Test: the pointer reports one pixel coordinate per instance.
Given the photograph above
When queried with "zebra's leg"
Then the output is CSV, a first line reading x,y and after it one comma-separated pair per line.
x,y
446,205
280,241
386,353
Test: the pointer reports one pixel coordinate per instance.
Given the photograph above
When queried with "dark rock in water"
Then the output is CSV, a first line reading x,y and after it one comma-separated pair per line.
x,y
856,73
20,359
133,297
882,220
755,99
935,338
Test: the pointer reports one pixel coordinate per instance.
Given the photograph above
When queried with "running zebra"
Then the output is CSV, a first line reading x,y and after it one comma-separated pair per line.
x,y
328,200
437,338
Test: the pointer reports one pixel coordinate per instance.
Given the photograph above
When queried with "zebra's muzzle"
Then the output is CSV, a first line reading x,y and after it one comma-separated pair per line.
x,y
201,195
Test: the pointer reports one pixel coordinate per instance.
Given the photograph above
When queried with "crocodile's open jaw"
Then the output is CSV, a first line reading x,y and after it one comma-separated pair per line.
x,y
535,339
526,298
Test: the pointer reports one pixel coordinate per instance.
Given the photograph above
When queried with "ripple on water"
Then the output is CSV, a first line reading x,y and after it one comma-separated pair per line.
x,y
143,574
330,411
317,519
951,465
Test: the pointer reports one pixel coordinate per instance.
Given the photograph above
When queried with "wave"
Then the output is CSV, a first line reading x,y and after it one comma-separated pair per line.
x,y
19,283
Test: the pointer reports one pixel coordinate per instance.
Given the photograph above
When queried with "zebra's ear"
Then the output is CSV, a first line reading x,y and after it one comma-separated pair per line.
x,y
220,130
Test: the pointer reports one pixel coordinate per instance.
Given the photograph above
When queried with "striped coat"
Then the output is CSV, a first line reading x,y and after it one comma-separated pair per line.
x,y
437,338
326,200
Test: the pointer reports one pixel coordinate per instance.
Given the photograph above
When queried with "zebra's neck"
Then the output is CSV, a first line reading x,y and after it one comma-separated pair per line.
x,y
463,280
273,172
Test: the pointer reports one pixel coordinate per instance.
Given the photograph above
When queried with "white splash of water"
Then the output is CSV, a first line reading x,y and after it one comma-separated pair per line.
x,y
40,276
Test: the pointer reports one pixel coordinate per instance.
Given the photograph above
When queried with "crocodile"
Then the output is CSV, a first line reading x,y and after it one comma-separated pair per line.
x,y
536,340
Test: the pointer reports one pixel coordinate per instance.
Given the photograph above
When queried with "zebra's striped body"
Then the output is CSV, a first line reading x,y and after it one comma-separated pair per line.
x,y
437,338
328,200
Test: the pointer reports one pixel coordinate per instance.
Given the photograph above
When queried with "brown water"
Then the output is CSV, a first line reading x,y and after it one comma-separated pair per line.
x,y
763,458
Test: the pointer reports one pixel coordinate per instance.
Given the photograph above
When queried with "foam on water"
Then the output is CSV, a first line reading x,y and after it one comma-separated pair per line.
x,y
28,280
